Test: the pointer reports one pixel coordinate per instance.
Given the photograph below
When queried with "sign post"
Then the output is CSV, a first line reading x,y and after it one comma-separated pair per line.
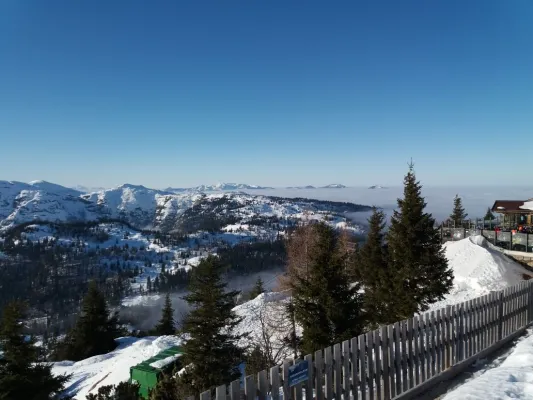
x,y
298,373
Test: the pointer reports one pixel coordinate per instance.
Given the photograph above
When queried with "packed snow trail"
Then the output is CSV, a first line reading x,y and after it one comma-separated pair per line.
x,y
511,379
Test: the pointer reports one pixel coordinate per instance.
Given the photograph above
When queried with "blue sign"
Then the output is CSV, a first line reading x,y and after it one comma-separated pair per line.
x,y
298,373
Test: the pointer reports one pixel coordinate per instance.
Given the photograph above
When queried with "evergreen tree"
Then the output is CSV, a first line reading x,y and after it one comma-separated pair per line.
x,y
258,289
256,361
326,304
372,270
211,353
166,325
416,255
169,388
20,375
458,214
94,332
489,216
149,285
122,391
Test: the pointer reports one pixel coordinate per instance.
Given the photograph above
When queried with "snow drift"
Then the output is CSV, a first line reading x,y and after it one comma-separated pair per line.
x,y
478,269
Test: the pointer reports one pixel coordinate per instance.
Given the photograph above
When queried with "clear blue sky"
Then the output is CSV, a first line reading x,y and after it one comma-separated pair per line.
x,y
274,92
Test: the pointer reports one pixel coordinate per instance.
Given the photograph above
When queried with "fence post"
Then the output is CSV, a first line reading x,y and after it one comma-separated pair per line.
x,y
530,308
527,242
500,316
460,333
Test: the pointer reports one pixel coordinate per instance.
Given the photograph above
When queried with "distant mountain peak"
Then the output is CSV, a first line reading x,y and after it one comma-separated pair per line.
x,y
377,187
219,187
334,186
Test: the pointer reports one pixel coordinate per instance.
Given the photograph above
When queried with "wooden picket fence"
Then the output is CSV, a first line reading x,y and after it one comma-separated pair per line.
x,y
390,362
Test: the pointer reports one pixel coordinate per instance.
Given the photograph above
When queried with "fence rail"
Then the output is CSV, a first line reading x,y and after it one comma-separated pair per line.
x,y
394,361
516,241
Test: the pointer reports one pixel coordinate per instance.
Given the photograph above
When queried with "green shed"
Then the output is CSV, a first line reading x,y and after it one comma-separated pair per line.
x,y
148,372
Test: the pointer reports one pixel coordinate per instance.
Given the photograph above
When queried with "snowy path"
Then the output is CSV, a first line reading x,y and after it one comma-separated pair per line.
x,y
510,379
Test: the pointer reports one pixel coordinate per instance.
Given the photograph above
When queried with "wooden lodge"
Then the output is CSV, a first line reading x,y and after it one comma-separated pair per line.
x,y
513,212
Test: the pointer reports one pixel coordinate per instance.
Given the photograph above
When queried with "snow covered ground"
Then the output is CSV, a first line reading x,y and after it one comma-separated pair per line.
x,y
511,378
111,368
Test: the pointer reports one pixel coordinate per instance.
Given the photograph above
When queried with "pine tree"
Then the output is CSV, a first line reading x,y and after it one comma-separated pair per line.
x,y
94,332
20,375
211,353
256,361
489,216
458,214
416,255
166,325
372,270
257,289
326,304
122,391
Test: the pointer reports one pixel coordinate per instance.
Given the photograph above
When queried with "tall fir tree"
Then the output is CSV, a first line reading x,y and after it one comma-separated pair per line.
x,y
374,273
211,352
21,377
257,289
458,214
326,304
489,216
166,325
416,254
94,332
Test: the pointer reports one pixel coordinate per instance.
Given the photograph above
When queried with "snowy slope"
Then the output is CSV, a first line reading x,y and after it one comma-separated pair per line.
x,y
512,379
22,202
478,269
111,368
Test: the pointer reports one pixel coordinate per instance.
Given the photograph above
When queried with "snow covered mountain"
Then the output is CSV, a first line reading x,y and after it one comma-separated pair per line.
x,y
219,187
40,200
151,208
334,186
377,187
301,187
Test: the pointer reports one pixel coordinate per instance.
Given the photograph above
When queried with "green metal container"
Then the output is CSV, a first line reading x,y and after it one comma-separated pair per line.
x,y
148,372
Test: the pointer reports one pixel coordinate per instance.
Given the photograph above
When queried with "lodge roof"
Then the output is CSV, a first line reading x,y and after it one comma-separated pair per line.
x,y
506,206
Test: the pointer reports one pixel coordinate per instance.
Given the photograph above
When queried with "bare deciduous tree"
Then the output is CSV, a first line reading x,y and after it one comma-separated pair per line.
x,y
274,325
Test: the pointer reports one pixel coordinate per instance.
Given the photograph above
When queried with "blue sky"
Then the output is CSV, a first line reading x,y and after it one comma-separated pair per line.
x,y
169,93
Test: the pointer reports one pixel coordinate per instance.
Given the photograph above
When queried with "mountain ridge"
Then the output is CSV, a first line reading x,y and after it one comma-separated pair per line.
x,y
149,208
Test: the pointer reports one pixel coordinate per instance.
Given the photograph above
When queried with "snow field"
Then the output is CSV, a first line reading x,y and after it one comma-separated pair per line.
x,y
512,379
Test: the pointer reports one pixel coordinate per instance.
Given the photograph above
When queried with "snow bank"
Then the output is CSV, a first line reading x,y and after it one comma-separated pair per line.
x,y
512,379
111,368
165,361
478,269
